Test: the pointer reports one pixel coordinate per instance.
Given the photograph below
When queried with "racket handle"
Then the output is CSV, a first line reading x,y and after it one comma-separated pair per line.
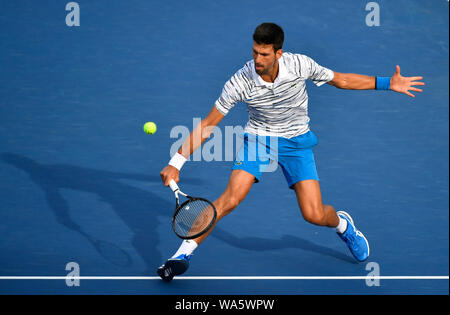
x,y
173,185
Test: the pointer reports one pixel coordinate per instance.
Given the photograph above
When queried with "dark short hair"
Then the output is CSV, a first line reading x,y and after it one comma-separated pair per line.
x,y
269,33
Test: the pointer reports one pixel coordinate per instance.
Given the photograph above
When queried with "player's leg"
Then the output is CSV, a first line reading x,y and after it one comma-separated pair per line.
x,y
309,199
239,185
296,158
250,163
314,211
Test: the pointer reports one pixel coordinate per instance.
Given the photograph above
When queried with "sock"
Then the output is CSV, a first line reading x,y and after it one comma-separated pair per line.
x,y
342,226
187,248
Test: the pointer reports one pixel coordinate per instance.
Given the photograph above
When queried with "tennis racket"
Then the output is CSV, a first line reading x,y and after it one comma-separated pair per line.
x,y
192,218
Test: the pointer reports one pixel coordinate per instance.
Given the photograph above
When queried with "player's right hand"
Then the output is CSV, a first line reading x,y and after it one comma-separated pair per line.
x,y
168,173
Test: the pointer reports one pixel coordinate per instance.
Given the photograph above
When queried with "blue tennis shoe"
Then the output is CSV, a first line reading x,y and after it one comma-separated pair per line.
x,y
174,267
355,240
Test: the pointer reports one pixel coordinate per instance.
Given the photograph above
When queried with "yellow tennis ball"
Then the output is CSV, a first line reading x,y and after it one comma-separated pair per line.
x,y
150,127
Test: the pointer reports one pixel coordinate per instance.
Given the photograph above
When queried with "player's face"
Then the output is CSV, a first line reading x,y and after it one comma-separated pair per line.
x,y
265,58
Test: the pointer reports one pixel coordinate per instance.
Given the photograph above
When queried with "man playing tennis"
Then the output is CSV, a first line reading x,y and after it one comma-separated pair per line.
x,y
273,85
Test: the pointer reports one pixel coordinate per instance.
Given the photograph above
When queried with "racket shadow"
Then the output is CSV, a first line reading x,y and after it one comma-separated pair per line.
x,y
285,242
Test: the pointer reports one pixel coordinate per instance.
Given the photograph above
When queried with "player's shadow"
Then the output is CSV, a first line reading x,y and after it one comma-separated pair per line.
x,y
136,207
286,241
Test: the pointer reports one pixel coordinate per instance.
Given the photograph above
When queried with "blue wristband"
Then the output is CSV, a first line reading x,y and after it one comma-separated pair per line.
x,y
383,83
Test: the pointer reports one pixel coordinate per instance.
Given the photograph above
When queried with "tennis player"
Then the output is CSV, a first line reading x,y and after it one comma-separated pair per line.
x,y
273,85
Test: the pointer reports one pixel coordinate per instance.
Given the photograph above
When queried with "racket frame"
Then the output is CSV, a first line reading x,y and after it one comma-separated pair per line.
x,y
178,208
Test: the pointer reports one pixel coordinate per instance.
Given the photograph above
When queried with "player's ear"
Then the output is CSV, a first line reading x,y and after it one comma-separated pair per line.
x,y
278,53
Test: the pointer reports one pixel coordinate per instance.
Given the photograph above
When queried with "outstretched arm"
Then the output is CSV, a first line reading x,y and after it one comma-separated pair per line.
x,y
200,133
398,83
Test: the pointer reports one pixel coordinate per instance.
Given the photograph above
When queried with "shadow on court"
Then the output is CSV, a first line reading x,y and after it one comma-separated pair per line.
x,y
286,241
137,208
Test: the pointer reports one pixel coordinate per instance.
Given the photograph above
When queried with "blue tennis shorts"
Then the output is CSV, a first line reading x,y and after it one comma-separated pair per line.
x,y
259,154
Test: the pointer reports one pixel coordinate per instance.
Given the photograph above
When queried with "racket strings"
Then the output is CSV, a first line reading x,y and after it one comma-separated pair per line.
x,y
195,217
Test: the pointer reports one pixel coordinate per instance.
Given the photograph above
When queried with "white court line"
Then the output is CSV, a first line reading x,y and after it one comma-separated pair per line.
x,y
228,278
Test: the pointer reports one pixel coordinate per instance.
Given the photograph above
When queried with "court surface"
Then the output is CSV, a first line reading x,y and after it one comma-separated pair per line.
x,y
79,179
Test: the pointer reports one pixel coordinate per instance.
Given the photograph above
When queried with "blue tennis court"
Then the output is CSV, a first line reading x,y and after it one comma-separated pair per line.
x,y
79,179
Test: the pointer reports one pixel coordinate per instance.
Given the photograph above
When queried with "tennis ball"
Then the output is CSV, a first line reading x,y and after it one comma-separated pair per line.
x,y
150,127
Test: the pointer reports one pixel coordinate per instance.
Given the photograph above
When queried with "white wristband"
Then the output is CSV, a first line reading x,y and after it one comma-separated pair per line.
x,y
177,161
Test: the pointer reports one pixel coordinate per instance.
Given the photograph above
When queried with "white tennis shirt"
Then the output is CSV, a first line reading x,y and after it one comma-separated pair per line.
x,y
279,108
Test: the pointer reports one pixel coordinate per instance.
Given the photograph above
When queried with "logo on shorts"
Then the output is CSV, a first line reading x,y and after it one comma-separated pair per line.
x,y
239,163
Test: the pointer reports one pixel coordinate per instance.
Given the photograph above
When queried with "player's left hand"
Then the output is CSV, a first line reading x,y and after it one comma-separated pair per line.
x,y
405,84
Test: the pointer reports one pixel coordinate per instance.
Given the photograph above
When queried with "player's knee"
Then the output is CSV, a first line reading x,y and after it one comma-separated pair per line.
x,y
315,216
230,203
233,202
